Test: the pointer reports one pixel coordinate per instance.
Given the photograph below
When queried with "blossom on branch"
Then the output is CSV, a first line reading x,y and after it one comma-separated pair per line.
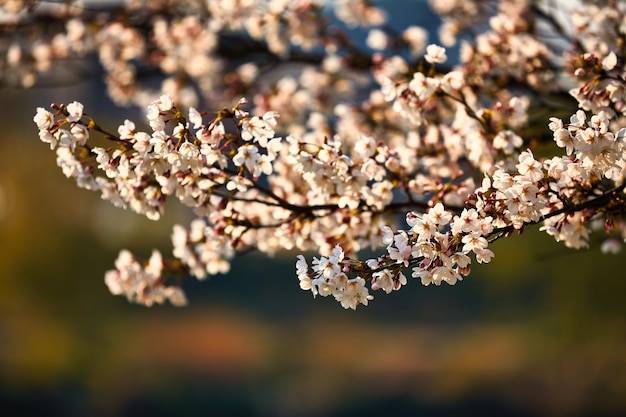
x,y
334,143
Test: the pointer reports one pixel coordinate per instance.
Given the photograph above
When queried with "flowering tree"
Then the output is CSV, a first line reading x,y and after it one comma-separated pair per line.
x,y
325,145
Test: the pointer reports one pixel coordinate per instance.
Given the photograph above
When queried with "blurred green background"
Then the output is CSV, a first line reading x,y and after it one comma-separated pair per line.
x,y
539,331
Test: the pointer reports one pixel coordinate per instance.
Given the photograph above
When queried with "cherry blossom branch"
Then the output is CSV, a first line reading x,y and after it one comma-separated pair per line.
x,y
327,153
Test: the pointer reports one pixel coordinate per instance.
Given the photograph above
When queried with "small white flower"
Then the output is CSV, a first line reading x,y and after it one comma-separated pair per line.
x,y
611,246
529,167
483,256
195,118
165,103
189,151
259,129
355,293
423,86
127,130
365,147
48,137
473,242
435,54
155,265
248,156
113,281
467,222
438,215
383,280
176,296
401,253
43,119
609,62
377,39
237,183
387,234
75,111
424,275
80,133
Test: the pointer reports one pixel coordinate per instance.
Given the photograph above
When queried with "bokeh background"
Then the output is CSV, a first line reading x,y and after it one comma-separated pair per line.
x,y
539,331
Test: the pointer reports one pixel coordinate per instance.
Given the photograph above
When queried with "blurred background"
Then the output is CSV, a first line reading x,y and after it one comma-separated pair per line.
x,y
539,331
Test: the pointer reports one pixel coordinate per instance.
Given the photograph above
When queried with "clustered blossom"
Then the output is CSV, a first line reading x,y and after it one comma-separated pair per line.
x,y
439,244
330,279
331,150
192,49
142,284
201,249
436,252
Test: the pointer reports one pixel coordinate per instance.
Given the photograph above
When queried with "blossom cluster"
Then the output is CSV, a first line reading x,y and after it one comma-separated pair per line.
x,y
337,142
438,244
437,256
142,284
